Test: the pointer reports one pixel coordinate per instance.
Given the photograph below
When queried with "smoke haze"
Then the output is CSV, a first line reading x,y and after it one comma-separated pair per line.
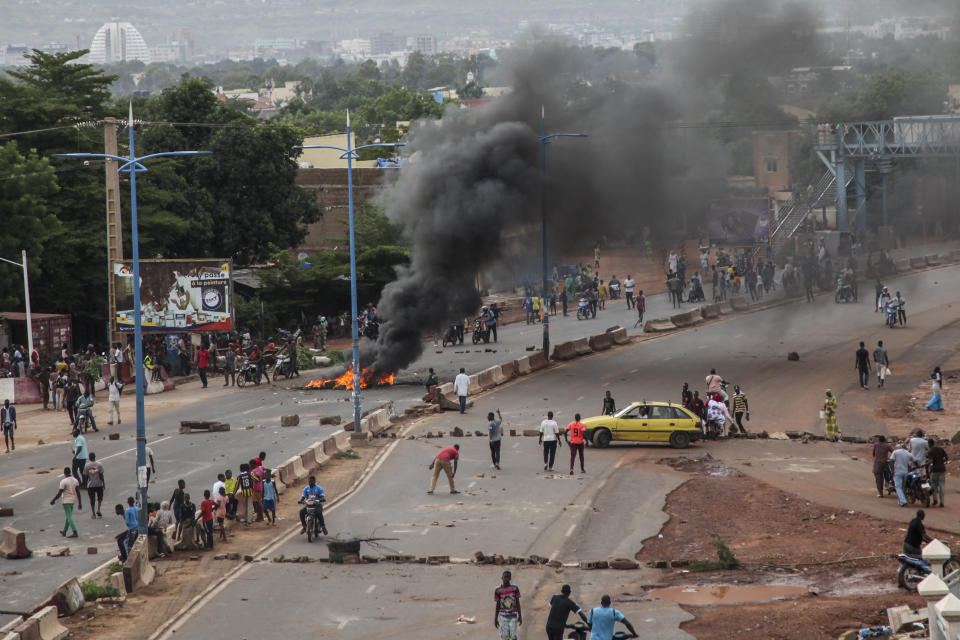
x,y
475,174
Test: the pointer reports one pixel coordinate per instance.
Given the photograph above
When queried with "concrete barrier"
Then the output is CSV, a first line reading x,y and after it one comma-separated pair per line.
x,y
933,260
329,446
508,370
14,544
600,342
522,366
687,318
582,346
725,308
708,311
68,598
48,626
619,335
918,263
563,351
6,631
955,255
902,264
378,420
474,385
658,325
445,388
486,378
29,629
739,303
137,570
538,360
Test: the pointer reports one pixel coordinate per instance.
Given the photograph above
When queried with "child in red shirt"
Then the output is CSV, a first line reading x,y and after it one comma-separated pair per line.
x,y
206,511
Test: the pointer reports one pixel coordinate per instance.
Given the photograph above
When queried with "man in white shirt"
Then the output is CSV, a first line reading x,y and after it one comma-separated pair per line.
x,y
628,285
116,359
461,386
114,388
550,439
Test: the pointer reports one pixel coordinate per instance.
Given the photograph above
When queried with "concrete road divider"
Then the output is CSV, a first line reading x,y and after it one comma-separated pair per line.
x,y
68,598
739,303
563,351
6,631
600,342
522,366
619,335
474,385
137,570
708,311
687,318
538,361
955,255
379,420
933,260
918,263
658,325
14,544
582,347
726,308
487,379
902,264
508,369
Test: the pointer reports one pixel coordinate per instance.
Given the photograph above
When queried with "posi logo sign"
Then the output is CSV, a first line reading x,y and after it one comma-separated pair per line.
x,y
175,295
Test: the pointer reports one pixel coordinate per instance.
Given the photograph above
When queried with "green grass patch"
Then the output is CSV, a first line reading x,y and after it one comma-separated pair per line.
x,y
725,558
115,567
91,591
347,454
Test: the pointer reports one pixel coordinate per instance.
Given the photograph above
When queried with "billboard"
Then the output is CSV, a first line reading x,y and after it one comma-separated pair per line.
x,y
175,295
743,222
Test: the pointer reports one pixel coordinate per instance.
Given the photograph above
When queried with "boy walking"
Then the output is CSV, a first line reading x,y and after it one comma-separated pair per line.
x,y
70,494
574,437
206,513
270,498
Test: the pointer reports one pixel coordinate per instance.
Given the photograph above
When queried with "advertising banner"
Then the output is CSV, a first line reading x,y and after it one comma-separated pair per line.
x,y
176,296
739,222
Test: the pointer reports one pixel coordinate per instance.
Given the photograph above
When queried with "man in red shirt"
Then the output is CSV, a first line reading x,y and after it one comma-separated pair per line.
x,y
447,460
207,507
574,437
203,360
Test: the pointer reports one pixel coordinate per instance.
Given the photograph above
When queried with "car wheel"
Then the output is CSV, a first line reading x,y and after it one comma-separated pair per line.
x,y
680,439
602,438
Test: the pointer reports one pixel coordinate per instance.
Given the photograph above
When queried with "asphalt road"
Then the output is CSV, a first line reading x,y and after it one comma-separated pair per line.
x,y
605,513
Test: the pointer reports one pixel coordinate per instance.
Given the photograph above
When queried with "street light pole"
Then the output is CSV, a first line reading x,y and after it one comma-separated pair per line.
x,y
26,298
544,141
133,165
350,154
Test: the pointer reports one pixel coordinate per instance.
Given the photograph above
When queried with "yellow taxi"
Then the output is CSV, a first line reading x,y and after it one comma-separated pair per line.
x,y
645,422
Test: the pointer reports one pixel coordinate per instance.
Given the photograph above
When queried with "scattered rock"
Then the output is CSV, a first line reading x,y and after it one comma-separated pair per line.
x,y
113,436
793,356
92,551
330,420
778,435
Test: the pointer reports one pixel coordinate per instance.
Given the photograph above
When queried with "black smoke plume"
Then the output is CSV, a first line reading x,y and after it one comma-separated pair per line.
x,y
474,175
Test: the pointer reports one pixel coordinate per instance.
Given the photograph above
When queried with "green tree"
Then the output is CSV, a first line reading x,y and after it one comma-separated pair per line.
x,y
369,70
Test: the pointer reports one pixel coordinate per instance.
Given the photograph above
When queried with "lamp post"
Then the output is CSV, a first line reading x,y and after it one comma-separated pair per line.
x,y
350,154
133,165
26,298
546,139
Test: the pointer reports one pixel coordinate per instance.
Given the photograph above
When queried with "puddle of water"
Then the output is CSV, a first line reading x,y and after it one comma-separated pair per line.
x,y
725,594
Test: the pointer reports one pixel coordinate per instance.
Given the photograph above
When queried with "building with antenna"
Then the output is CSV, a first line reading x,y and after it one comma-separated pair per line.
x,y
118,42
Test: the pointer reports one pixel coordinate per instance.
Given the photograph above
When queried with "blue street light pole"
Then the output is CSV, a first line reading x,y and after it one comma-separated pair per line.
x,y
350,154
133,165
544,141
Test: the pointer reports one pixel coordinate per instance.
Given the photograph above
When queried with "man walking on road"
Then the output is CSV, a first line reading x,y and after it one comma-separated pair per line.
x,y
603,618
93,478
447,460
114,389
862,365
881,453
882,360
79,455
70,494
561,606
507,617
740,407
574,437
938,471
461,386
550,439
8,423
493,426
628,286
901,465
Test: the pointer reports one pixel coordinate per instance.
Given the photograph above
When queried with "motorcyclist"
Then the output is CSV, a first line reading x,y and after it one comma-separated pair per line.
x,y
717,411
312,490
614,286
916,535
715,384
884,299
84,407
686,397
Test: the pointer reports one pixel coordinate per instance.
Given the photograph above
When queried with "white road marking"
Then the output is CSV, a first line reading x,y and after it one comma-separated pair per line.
x,y
570,531
248,411
342,624
114,455
553,556
472,484
403,531
634,370
739,335
20,493
579,399
425,531
371,588
516,444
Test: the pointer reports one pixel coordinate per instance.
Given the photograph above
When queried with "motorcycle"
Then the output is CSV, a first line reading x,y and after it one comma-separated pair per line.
x,y
451,336
712,429
314,509
891,316
480,331
579,631
614,290
913,569
83,421
916,488
583,309
845,292
371,329
284,366
247,373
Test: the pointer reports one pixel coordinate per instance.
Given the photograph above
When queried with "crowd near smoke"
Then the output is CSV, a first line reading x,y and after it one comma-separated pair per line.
x,y
474,175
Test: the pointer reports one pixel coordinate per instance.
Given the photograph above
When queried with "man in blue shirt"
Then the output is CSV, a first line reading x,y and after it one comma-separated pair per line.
x,y
603,618
312,490
131,517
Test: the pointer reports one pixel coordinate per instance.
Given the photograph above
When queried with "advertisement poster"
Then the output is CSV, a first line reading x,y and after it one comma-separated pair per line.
x,y
176,296
739,222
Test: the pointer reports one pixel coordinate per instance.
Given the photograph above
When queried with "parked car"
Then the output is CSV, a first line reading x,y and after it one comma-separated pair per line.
x,y
645,422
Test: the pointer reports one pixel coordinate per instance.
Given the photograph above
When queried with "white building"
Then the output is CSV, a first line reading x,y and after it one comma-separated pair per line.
x,y
118,42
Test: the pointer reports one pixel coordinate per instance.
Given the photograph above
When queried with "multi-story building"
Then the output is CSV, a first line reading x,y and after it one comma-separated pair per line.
x,y
118,42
